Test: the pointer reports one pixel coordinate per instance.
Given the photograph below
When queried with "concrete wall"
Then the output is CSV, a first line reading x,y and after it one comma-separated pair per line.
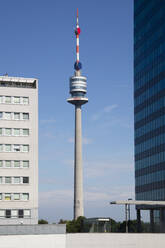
x,y
33,241
115,240
84,241
32,229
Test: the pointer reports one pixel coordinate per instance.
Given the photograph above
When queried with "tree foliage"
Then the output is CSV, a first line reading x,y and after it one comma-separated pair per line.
x,y
81,225
42,221
74,226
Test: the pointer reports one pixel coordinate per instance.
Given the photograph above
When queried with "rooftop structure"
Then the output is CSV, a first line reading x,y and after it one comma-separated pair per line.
x,y
145,203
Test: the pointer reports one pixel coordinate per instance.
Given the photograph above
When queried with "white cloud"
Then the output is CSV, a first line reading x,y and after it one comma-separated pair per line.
x,y
109,194
96,196
96,117
65,196
105,110
57,204
109,108
95,169
71,140
86,141
56,197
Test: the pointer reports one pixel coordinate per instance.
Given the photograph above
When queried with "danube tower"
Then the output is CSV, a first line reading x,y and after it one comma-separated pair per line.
x,y
78,89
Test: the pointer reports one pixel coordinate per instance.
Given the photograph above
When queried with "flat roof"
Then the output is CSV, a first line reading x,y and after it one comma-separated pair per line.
x,y
99,219
17,79
134,202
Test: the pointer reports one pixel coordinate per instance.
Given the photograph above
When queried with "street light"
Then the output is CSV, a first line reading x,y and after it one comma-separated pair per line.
x,y
129,216
129,210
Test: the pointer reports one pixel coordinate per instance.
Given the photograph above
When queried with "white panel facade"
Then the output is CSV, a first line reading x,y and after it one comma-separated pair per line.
x,y
115,240
118,240
18,151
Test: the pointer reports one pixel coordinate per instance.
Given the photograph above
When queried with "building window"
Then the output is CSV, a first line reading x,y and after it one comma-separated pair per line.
x,y
8,163
25,100
8,99
2,213
26,132
16,131
8,131
8,148
19,84
27,213
0,180
8,213
1,147
0,196
25,116
25,163
25,179
14,213
20,213
7,180
8,115
7,196
17,180
16,148
16,196
16,116
16,100
25,196
16,163
25,148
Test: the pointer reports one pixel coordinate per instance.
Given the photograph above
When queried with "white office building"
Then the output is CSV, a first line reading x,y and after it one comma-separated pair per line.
x,y
18,150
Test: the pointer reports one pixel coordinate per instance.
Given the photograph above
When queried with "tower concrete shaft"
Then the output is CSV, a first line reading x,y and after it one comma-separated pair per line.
x,y
78,173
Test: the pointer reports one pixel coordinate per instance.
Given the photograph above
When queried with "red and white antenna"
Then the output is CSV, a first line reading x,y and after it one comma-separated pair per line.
x,y
77,65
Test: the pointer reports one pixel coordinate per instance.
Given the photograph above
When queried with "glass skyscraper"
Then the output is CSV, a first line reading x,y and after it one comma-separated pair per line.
x,y
149,99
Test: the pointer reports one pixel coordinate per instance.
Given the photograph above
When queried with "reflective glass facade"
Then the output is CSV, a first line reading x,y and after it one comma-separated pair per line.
x,y
149,99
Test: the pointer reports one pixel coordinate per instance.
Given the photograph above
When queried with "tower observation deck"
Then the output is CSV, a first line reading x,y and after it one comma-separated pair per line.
x,y
78,90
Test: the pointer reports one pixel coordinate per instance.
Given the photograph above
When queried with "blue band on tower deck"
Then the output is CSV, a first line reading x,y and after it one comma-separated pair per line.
x,y
77,66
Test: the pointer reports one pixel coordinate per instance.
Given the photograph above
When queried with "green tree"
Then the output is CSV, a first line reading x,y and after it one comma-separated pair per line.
x,y
145,227
42,221
62,221
114,226
132,226
74,226
80,225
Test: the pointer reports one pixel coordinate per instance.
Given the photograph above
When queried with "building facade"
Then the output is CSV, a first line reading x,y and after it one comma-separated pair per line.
x,y
149,99
18,150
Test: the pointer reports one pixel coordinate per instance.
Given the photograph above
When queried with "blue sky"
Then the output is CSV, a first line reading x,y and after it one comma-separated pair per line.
x,y
37,40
